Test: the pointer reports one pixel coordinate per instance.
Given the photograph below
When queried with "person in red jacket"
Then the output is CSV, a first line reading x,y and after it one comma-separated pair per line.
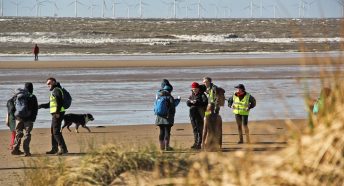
x,y
36,51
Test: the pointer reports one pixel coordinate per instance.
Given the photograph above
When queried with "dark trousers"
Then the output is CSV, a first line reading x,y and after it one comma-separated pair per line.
x,y
197,122
242,120
20,127
36,56
165,132
56,135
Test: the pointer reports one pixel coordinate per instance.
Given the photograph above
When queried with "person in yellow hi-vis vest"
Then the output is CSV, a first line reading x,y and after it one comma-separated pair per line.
x,y
57,112
242,102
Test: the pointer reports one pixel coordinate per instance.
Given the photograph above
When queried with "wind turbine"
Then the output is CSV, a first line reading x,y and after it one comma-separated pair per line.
x,y
114,8
76,2
128,9
216,10
2,8
199,7
341,3
103,8
17,6
92,7
141,4
250,6
302,8
187,8
55,7
275,8
227,12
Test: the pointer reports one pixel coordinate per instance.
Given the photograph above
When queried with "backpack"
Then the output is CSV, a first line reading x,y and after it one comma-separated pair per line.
x,y
22,104
67,98
162,105
220,93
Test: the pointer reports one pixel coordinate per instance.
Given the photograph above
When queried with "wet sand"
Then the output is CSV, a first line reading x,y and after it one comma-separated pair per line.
x,y
167,63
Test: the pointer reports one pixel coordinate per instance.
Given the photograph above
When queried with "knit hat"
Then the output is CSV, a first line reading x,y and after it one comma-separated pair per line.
x,y
194,85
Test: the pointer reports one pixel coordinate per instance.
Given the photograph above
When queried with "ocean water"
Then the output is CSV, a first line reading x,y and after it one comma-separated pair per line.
x,y
125,96
132,36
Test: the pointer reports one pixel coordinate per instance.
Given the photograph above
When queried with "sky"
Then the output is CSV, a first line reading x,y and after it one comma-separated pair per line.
x,y
183,8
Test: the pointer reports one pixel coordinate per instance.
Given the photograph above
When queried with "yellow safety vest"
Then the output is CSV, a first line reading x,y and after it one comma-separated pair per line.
x,y
53,103
241,107
212,95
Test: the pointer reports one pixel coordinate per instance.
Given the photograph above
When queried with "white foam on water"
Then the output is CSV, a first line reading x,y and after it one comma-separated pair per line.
x,y
54,38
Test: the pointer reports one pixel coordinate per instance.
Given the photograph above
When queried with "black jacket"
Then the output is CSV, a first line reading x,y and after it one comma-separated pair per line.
x,y
33,107
200,99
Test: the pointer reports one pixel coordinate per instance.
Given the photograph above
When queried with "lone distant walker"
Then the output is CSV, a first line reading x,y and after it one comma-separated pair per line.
x,y
241,103
36,51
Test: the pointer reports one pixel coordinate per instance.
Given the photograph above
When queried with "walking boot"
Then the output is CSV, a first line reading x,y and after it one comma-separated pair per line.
x,y
167,146
241,139
162,145
52,151
16,152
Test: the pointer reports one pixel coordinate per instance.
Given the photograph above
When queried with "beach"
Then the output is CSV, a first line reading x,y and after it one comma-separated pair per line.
x,y
268,135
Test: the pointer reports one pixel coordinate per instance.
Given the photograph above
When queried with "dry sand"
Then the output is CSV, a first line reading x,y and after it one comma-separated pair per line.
x,y
266,136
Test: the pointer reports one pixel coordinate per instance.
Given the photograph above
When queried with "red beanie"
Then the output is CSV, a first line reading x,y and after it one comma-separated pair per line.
x,y
194,85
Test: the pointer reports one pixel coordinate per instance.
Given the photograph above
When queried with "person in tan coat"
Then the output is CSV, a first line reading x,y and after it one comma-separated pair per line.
x,y
212,132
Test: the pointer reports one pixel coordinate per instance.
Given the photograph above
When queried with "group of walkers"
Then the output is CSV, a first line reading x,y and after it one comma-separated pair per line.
x,y
204,103
22,112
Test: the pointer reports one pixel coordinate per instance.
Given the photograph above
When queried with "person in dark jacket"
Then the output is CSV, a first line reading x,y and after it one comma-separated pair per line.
x,y
197,102
36,51
166,122
241,103
26,123
57,112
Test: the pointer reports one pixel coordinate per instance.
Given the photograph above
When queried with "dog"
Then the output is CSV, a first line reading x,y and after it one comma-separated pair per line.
x,y
78,119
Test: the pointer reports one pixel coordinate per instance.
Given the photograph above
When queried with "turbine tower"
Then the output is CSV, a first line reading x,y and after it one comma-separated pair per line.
x,y
76,2
103,8
2,8
114,8
141,4
250,7
17,6
199,7
92,7
55,7
216,10
187,8
341,3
